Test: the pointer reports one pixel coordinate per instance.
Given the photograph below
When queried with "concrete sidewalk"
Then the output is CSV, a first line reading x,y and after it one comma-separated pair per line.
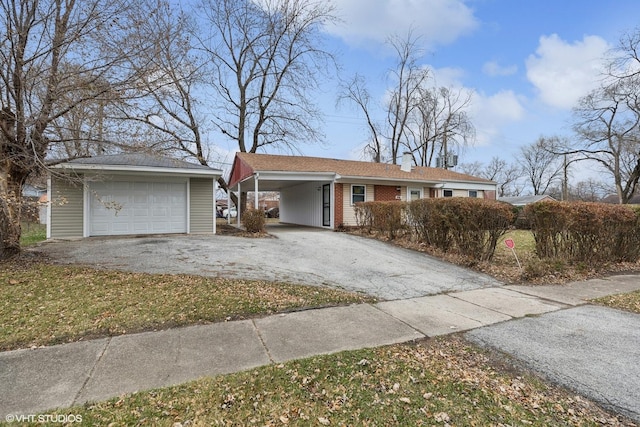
x,y
42,379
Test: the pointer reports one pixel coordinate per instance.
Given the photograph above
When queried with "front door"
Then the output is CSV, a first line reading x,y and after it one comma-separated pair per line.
x,y
326,205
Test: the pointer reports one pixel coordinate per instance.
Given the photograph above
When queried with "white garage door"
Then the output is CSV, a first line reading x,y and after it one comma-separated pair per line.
x,y
137,207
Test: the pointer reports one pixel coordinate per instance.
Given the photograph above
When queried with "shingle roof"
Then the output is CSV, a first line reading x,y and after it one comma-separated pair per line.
x,y
350,168
138,159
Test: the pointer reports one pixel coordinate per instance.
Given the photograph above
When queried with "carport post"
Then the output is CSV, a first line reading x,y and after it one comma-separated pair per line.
x,y
257,202
229,206
215,206
239,205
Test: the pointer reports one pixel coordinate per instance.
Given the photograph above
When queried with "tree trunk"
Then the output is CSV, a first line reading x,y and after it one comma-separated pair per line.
x,y
10,213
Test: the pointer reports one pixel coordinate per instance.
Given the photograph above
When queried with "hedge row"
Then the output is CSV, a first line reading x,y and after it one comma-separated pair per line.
x,y
468,225
585,232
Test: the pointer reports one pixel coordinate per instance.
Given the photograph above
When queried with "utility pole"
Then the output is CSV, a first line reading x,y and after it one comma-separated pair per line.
x,y
565,181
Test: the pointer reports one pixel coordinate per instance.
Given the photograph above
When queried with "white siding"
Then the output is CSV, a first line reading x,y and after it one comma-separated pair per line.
x,y
201,212
66,208
302,204
349,216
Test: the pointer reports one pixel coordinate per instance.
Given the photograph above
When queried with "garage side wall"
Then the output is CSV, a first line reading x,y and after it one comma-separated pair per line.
x,y
201,205
66,209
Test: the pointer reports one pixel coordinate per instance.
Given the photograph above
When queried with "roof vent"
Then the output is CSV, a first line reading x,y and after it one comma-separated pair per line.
x,y
407,160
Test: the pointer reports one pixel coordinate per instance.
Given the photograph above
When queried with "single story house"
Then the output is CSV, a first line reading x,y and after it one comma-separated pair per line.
x,y
125,194
321,192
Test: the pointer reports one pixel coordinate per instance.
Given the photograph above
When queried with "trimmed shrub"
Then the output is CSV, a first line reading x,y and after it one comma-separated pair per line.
x,y
386,217
471,226
430,222
592,233
253,220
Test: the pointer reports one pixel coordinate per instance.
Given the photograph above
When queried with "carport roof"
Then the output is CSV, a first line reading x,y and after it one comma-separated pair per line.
x,y
246,164
138,162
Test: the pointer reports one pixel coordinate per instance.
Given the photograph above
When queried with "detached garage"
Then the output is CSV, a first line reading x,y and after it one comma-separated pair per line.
x,y
128,194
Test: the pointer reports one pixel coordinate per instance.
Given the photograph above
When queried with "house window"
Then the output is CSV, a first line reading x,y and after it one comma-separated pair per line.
x,y
357,193
415,194
447,193
473,193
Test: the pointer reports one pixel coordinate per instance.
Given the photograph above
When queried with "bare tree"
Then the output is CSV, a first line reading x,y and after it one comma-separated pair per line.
x,y
170,76
405,81
505,174
498,170
409,77
356,92
440,123
474,168
607,119
590,190
541,165
266,59
46,48
607,123
85,130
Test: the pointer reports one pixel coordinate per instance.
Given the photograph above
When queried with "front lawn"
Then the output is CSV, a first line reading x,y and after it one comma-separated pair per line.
x,y
437,382
43,304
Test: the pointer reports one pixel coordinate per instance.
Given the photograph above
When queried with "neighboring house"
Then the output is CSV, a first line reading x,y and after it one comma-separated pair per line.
x,y
31,206
526,200
322,192
130,194
29,190
613,199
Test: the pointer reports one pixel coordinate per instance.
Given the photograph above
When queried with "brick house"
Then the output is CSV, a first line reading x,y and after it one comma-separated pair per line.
x,y
322,192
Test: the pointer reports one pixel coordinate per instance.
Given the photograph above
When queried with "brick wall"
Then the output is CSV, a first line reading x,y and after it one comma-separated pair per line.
x,y
385,193
338,208
491,195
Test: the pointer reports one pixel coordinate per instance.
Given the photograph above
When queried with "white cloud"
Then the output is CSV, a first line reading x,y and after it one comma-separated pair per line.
x,y
493,69
448,76
491,112
563,72
438,21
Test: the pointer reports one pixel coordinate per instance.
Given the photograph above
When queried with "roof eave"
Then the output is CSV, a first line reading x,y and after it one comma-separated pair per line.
x,y
138,169
411,180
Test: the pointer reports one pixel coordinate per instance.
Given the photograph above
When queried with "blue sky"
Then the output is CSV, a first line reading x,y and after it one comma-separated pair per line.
x,y
526,61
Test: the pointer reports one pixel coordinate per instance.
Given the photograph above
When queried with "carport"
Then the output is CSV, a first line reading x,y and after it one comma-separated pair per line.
x,y
306,197
304,200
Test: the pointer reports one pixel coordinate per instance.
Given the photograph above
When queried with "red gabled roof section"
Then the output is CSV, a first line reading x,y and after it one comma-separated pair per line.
x,y
239,171
246,163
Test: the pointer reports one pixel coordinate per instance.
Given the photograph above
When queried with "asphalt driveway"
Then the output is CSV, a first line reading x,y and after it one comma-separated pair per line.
x,y
297,255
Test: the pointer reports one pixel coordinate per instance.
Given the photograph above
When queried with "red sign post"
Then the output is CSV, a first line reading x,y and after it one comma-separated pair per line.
x,y
511,245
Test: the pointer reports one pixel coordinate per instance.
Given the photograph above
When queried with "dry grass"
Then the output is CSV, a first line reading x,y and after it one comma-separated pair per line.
x,y
629,302
438,382
42,304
